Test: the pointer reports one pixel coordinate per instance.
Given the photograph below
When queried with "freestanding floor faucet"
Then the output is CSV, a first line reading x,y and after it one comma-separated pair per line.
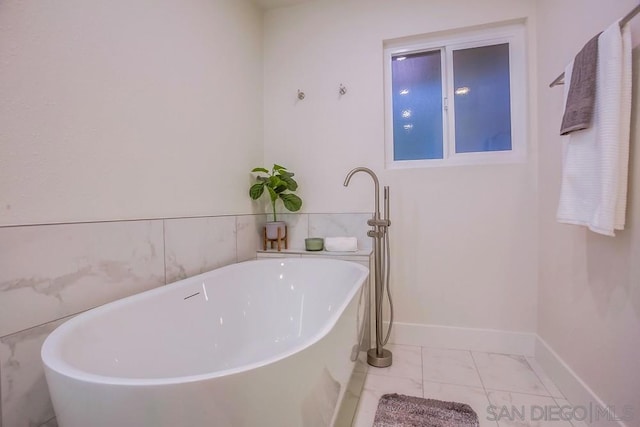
x,y
379,356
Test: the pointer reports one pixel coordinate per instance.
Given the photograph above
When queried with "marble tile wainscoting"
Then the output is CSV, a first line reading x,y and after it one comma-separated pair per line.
x,y
301,226
51,272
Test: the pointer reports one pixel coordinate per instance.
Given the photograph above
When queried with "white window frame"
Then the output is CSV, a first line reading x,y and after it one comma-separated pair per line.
x,y
514,34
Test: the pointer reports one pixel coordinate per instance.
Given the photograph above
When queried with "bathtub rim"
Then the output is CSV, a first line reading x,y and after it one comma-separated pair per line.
x,y
49,352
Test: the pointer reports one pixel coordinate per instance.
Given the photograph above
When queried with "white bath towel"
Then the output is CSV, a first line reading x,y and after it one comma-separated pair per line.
x,y
596,160
340,244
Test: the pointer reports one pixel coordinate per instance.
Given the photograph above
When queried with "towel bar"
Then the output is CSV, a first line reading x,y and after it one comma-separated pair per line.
x,y
628,17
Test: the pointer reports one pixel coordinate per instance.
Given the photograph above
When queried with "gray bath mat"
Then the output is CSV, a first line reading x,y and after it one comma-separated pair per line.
x,y
397,410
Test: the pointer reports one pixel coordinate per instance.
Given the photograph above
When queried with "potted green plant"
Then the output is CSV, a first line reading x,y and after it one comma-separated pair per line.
x,y
280,185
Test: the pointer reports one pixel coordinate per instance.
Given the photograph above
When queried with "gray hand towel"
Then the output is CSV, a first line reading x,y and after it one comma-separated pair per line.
x,y
582,90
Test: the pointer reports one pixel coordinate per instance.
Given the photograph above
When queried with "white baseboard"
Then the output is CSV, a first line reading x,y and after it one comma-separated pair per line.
x,y
577,392
486,340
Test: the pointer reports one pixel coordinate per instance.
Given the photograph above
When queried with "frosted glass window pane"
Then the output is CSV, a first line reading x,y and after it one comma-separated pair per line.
x,y
482,99
417,106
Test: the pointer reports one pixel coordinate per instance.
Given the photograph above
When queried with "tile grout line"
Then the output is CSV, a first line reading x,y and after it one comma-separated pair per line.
x,y
435,382
67,317
555,399
475,365
520,392
486,393
236,239
111,221
472,387
542,382
164,249
422,371
163,218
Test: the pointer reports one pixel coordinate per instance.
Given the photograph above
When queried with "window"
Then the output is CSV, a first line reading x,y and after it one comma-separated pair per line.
x,y
456,99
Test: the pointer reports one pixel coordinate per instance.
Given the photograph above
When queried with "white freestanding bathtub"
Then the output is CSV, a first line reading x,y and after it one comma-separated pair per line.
x,y
260,343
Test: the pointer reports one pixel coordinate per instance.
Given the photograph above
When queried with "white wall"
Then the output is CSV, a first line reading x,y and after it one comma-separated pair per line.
x,y
114,111
134,109
463,238
589,290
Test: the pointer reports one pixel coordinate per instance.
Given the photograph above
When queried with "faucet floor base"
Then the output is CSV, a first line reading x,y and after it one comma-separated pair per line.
x,y
379,361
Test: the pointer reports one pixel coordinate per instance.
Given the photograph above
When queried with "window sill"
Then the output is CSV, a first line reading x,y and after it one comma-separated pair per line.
x,y
467,159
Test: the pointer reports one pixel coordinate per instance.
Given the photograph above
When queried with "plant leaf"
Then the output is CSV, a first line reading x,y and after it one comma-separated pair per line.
x,y
275,182
280,188
283,172
272,194
256,190
291,183
260,170
278,167
292,202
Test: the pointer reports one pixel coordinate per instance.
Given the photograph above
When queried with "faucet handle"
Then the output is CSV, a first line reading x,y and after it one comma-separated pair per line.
x,y
373,233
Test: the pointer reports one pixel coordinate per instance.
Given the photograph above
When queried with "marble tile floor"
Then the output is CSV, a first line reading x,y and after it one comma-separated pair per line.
x,y
504,390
